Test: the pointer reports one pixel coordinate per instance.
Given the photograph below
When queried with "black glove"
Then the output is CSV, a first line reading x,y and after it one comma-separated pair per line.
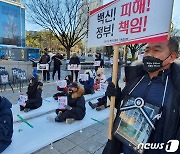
x,y
111,90
67,107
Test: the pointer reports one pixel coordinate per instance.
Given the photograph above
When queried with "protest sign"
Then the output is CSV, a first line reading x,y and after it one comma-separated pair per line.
x,y
62,101
73,67
130,21
42,66
4,79
103,87
97,63
22,100
84,77
61,83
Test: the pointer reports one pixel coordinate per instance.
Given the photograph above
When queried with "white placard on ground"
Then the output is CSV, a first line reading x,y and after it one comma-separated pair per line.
x,y
22,100
84,77
61,83
74,67
97,63
62,101
130,22
103,87
42,66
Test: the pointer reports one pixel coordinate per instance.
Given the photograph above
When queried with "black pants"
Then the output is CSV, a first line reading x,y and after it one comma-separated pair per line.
x,y
29,106
54,72
76,75
46,74
89,91
66,114
102,101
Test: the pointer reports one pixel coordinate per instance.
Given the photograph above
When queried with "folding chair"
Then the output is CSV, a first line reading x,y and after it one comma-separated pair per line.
x,y
4,80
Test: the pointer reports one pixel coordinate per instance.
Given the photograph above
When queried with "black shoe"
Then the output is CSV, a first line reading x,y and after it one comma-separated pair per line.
x,y
58,116
21,108
99,108
27,110
91,105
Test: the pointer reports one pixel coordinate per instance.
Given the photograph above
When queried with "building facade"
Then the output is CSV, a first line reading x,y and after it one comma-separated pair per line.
x,y
88,5
12,23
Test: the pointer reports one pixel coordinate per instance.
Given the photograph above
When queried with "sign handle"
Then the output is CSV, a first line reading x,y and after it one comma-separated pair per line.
x,y
114,80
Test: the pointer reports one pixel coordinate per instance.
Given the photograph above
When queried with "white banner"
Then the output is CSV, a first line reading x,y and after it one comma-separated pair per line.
x,y
22,100
73,67
62,101
130,21
61,83
84,77
42,66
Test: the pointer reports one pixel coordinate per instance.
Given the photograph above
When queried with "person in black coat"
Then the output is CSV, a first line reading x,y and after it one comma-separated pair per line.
x,y
57,65
76,104
45,59
74,60
98,58
156,82
6,123
34,95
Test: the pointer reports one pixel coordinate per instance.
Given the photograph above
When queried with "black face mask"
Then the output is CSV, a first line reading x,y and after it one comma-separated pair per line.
x,y
70,91
152,64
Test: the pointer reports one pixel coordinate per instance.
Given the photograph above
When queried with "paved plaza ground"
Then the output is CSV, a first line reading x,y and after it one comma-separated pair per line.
x,y
90,140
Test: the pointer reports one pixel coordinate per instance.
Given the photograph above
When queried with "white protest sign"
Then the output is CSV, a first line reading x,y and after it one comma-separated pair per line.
x,y
4,78
84,77
97,63
42,66
74,67
62,101
129,22
22,100
61,83
103,87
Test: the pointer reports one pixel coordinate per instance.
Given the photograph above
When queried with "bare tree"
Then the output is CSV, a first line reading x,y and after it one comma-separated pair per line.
x,y
64,18
134,48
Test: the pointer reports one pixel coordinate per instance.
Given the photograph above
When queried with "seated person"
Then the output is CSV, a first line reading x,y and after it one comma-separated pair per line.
x,y
34,95
100,78
6,123
102,102
88,84
76,104
62,91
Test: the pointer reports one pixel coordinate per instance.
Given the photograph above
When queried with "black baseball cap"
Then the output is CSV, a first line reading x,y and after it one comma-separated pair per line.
x,y
73,85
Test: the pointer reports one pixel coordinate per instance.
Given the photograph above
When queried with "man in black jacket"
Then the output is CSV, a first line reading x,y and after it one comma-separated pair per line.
x,y
57,64
45,59
156,82
75,61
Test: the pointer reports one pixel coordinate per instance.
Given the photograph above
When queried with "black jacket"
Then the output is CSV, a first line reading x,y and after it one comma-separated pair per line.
x,y
77,102
44,59
34,95
6,123
74,60
172,120
57,60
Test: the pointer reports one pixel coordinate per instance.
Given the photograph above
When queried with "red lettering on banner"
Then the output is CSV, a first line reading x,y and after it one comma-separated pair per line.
x,y
138,6
136,25
126,9
123,26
